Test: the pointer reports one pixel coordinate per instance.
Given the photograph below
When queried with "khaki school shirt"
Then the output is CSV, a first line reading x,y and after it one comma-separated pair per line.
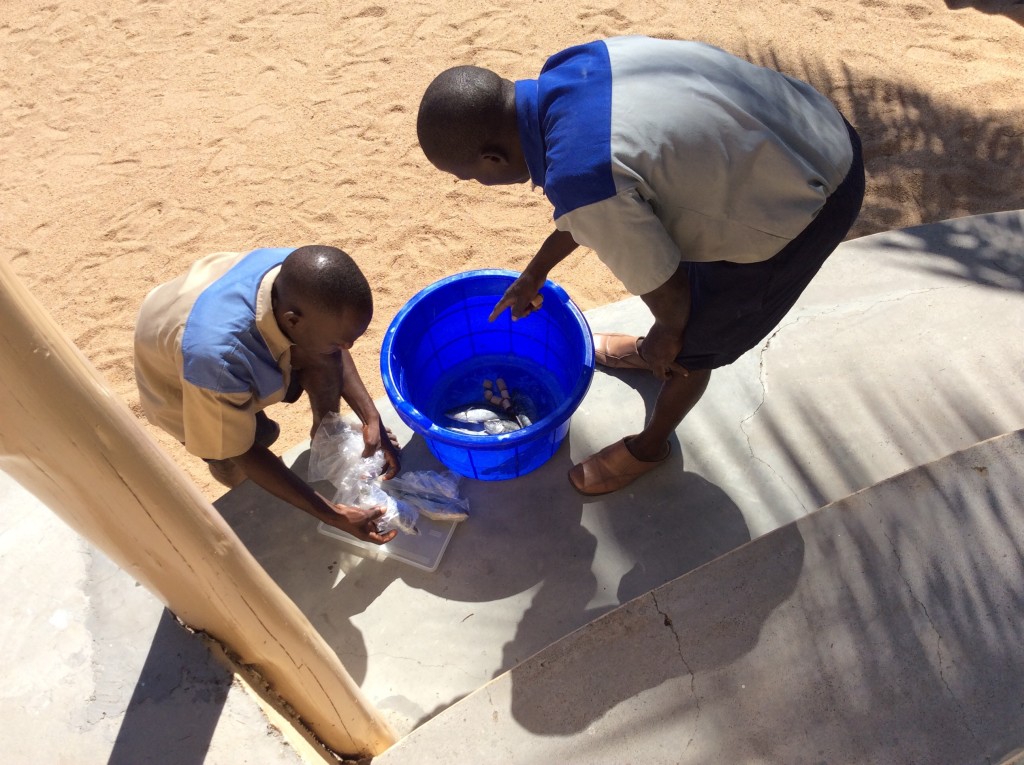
x,y
211,424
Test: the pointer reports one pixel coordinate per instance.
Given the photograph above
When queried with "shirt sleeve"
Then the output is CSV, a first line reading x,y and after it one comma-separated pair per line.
x,y
628,238
217,425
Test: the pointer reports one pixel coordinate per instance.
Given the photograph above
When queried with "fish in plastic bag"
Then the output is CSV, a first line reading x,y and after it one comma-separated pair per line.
x,y
434,495
397,515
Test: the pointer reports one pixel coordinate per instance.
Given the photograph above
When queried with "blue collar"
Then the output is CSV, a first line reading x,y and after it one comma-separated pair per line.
x,y
530,136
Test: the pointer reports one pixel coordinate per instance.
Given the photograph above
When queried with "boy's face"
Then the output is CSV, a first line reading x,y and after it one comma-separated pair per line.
x,y
323,332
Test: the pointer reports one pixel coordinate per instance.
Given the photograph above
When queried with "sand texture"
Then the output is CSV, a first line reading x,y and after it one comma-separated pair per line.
x,y
138,136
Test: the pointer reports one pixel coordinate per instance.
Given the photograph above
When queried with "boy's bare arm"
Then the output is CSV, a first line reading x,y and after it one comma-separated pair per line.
x,y
375,435
271,474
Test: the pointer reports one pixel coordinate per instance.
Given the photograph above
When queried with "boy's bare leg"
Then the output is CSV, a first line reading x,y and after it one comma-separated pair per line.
x,y
228,472
322,378
677,397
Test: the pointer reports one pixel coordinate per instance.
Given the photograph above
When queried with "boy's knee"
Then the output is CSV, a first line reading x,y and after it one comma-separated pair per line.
x,y
322,380
267,431
226,472
294,390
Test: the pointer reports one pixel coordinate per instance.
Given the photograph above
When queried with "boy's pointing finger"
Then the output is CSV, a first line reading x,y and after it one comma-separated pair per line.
x,y
501,306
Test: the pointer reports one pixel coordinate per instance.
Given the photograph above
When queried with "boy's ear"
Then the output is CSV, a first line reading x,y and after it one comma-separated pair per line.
x,y
494,154
292,318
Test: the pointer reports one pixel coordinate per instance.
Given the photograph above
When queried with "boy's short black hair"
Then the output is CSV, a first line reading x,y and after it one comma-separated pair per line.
x,y
327,277
460,111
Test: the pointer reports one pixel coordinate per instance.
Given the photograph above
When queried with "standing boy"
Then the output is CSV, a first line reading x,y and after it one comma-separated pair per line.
x,y
241,331
711,187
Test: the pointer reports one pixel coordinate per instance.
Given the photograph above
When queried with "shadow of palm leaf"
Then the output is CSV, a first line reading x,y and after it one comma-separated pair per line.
x,y
927,160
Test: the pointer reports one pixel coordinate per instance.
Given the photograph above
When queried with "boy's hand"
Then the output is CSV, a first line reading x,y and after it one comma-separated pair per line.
x,y
373,440
521,296
659,349
360,523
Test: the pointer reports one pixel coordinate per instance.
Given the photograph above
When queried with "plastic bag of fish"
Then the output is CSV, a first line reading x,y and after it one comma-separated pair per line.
x,y
336,456
434,495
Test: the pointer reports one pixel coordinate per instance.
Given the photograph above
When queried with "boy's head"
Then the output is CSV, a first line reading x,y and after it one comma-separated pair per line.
x,y
467,126
322,301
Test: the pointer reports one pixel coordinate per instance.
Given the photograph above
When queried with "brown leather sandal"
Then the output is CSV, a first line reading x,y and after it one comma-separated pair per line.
x,y
611,469
618,351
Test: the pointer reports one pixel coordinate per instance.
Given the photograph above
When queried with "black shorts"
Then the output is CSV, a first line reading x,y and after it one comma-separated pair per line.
x,y
734,306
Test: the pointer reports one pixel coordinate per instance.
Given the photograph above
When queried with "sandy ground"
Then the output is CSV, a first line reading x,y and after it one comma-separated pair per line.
x,y
138,136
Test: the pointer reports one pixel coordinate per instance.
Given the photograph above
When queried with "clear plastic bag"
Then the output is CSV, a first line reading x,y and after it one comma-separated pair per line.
x,y
336,456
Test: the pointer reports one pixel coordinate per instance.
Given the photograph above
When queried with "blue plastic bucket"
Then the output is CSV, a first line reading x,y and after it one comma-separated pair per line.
x,y
440,347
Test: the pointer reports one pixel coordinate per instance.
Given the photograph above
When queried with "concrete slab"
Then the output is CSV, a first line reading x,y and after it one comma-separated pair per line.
x,y
905,349
883,628
96,670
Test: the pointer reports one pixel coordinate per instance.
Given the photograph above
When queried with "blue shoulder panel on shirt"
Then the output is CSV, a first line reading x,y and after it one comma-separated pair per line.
x,y
530,139
222,347
575,109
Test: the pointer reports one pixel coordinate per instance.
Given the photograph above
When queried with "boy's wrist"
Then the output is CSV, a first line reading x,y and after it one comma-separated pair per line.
x,y
323,508
536,273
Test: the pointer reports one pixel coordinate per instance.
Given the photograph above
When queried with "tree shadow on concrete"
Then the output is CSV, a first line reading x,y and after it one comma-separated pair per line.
x,y
909,647
984,252
570,686
882,629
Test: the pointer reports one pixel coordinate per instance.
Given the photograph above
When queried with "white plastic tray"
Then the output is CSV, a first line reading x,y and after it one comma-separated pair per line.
x,y
422,551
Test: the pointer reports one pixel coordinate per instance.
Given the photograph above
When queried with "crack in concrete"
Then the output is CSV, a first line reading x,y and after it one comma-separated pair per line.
x,y
762,375
679,649
417,662
938,646
861,307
